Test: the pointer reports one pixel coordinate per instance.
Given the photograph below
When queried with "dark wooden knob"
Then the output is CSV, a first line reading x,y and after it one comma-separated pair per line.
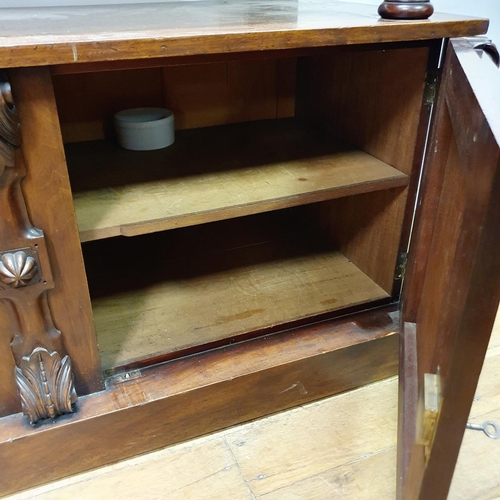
x,y
406,9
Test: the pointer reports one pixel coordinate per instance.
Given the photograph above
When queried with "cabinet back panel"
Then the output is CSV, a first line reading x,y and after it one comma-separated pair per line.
x,y
200,95
86,103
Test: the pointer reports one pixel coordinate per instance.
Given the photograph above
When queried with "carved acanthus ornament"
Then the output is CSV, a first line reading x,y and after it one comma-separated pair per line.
x,y
43,376
46,385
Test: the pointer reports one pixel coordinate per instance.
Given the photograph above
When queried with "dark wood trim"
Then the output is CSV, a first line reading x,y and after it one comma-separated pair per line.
x,y
406,9
180,400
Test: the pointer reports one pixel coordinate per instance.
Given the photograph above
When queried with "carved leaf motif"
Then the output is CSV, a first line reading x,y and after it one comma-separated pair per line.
x,y
31,400
66,395
45,384
17,269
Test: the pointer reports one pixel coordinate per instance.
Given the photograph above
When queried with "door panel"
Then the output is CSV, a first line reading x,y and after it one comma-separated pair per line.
x,y
452,287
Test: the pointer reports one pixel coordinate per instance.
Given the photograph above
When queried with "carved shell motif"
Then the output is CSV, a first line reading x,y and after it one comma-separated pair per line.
x,y
45,383
17,269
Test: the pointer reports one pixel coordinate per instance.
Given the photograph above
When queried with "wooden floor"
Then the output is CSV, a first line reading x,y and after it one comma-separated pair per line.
x,y
340,447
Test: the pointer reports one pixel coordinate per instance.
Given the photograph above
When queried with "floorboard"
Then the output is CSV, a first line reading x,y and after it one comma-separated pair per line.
x,y
340,447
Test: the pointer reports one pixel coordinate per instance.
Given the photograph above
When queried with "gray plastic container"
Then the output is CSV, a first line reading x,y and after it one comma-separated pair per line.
x,y
145,129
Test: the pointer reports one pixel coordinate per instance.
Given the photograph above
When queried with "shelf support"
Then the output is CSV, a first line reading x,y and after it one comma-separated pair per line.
x,y
43,373
406,9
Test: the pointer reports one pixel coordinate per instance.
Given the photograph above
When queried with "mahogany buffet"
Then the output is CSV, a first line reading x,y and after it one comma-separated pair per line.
x,y
149,297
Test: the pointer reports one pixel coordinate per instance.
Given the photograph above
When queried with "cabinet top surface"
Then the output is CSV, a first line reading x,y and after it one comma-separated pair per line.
x,y
66,35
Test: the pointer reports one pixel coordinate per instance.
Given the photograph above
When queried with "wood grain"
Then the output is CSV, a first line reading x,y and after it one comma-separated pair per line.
x,y
181,303
215,173
226,386
216,475
164,62
202,95
344,439
476,473
86,34
252,55
359,479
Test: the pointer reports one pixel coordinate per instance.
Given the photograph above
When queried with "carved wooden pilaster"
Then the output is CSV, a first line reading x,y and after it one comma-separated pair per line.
x,y
43,374
406,9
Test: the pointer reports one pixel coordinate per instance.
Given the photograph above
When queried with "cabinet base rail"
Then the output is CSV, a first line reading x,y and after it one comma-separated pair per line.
x,y
172,402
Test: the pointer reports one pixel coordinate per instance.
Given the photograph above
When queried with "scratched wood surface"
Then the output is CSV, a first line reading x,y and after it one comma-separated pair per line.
x,y
31,37
332,447
340,447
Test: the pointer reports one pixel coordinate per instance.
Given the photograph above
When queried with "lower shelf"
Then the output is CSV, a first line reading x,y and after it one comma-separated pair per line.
x,y
167,302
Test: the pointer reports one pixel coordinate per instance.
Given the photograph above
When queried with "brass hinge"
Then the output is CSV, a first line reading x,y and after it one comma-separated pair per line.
x,y
401,265
430,89
429,411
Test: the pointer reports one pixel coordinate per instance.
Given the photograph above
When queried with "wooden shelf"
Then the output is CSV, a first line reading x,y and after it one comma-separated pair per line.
x,y
215,173
158,306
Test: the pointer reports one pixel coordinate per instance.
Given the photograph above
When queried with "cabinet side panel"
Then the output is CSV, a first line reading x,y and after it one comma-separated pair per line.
x,y
370,98
374,100
50,206
367,228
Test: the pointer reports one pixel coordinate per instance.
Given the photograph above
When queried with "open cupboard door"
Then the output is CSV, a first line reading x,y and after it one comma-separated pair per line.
x,y
452,287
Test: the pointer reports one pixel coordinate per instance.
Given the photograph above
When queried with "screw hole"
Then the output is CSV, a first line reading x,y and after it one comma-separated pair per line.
x,y
44,282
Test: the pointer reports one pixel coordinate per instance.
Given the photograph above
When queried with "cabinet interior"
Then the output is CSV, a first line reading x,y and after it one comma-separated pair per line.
x,y
283,200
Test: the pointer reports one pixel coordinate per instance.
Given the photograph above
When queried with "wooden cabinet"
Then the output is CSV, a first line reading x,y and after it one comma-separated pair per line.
x,y
332,193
